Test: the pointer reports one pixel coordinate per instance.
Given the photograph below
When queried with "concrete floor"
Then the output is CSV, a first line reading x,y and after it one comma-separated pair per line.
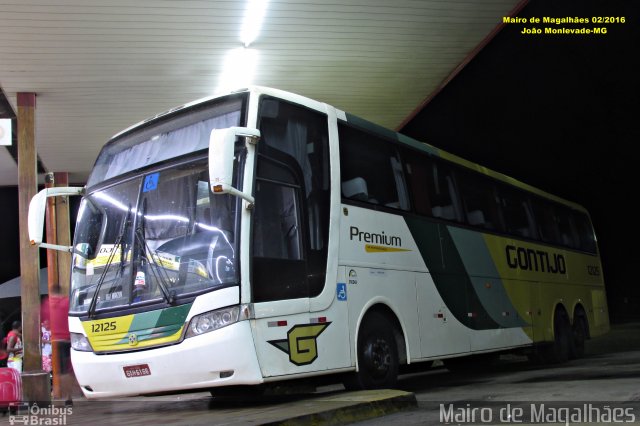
x,y
608,376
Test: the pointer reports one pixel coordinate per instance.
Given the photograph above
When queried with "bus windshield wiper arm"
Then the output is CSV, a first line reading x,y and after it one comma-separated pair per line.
x,y
157,269
118,242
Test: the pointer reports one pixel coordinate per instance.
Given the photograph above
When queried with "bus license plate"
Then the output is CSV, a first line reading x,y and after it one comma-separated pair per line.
x,y
137,370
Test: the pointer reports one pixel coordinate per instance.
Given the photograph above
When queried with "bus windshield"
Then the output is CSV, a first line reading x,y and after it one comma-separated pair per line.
x,y
153,239
153,233
171,137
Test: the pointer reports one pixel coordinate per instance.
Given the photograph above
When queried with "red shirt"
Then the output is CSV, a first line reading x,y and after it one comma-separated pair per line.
x,y
59,313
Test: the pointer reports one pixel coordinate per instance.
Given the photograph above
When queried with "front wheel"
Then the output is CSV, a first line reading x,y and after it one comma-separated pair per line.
x,y
377,355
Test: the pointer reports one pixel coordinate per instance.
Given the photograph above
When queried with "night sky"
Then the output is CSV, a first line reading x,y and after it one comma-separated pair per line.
x,y
561,113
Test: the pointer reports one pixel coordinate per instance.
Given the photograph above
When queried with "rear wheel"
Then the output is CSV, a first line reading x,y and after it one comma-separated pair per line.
x,y
562,340
377,355
579,334
558,351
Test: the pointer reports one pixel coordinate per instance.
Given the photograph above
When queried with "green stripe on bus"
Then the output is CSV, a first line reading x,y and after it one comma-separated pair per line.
x,y
449,275
157,324
485,277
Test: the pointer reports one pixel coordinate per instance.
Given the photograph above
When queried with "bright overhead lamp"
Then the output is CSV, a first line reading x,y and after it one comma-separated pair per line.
x,y
252,23
239,69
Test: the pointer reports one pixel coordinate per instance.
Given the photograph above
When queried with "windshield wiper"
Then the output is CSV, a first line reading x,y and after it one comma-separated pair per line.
x,y
118,242
157,270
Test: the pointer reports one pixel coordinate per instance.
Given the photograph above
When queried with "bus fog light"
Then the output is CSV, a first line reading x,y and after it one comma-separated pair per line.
x,y
214,320
79,342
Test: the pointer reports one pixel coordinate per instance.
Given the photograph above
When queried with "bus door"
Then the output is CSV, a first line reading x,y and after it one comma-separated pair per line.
x,y
289,244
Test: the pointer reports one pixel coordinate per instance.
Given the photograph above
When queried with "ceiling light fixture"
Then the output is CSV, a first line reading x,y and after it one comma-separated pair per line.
x,y
252,23
238,70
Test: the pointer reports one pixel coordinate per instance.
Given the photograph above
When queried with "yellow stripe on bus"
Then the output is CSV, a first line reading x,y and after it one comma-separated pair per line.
x,y
370,248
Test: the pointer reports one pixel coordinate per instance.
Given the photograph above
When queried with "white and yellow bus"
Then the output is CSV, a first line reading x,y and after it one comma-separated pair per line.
x,y
262,236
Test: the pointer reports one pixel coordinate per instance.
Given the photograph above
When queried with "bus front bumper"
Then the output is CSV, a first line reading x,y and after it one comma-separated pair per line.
x,y
218,358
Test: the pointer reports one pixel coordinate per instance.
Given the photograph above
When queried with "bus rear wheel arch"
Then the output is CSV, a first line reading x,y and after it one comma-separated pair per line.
x,y
378,352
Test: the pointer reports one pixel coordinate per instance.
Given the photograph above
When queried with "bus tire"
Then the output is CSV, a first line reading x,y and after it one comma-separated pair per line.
x,y
558,351
579,334
378,361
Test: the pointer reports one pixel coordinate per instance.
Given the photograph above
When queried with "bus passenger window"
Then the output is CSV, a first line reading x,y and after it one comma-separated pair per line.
x,y
371,171
480,200
417,178
446,204
584,231
546,221
567,234
517,215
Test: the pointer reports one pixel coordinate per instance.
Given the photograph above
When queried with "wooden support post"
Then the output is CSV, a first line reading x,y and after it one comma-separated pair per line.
x,y
35,380
63,234
52,238
53,279
64,273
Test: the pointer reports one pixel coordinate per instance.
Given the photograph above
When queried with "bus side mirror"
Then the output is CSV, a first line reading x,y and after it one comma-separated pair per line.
x,y
37,208
221,156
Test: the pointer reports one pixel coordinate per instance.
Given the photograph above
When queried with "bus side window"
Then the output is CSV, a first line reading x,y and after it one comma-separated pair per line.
x,y
567,233
277,222
278,240
517,214
480,201
432,185
371,170
417,178
296,138
584,232
441,183
546,221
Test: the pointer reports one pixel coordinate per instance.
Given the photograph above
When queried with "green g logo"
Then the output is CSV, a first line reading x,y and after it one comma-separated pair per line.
x,y
301,343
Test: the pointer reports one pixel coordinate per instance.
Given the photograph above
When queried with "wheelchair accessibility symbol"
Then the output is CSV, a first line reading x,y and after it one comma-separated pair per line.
x,y
341,291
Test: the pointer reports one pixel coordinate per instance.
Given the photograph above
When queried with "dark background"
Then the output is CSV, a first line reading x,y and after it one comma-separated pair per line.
x,y
559,112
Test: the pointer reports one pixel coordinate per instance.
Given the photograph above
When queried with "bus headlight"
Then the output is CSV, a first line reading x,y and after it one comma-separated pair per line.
x,y
214,320
79,342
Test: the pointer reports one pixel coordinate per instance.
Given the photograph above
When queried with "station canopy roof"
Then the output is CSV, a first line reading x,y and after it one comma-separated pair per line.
x,y
99,66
